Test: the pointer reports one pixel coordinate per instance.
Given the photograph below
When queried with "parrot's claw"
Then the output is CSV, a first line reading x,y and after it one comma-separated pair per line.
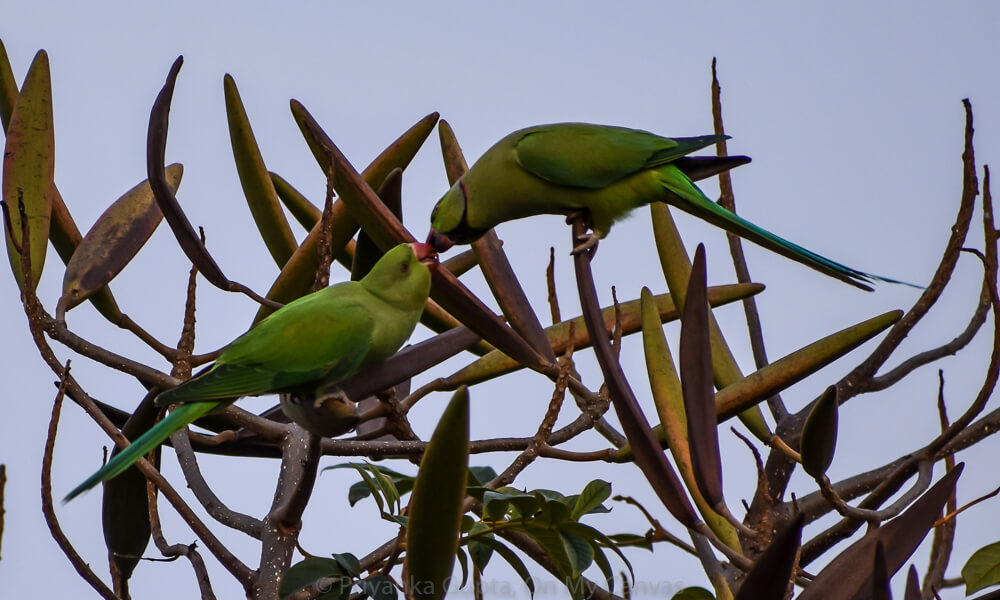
x,y
588,243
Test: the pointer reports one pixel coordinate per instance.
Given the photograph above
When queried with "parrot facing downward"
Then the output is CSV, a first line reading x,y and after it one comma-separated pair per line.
x,y
607,172
325,336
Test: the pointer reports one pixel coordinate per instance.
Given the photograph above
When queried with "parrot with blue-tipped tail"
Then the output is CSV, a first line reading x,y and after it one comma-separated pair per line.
x,y
603,172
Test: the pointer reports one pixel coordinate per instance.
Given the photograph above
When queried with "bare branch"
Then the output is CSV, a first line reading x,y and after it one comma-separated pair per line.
x,y
172,551
728,200
944,529
859,380
47,507
204,493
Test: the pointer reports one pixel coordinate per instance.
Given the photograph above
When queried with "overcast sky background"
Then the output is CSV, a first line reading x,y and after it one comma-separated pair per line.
x,y
852,115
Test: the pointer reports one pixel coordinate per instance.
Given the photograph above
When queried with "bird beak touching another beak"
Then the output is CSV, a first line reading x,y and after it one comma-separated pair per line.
x,y
439,241
426,254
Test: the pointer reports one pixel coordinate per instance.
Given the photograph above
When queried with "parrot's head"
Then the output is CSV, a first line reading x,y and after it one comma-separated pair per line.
x,y
449,220
402,277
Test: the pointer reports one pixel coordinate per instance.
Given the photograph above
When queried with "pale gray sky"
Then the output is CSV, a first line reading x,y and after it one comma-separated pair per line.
x,y
852,116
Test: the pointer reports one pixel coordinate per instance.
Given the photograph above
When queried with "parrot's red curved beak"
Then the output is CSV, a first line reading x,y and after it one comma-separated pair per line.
x,y
439,241
425,254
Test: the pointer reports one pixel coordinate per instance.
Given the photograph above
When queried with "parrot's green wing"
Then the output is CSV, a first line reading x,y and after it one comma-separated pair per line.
x,y
227,382
595,156
282,353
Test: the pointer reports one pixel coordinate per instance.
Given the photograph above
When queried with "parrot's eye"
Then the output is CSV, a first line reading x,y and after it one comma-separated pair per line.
x,y
404,267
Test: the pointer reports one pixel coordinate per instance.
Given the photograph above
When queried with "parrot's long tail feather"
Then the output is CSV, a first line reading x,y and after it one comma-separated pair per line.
x,y
179,418
689,198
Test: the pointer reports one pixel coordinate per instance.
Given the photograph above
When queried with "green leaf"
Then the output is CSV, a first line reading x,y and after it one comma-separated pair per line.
x,y
495,505
309,571
982,569
480,552
602,563
631,540
388,489
590,499
437,502
552,543
378,587
380,481
693,593
357,492
477,491
819,434
595,537
524,506
506,501
304,211
257,187
467,524
549,494
555,512
580,553
8,88
463,561
513,560
373,488
28,167
349,562
401,519
481,475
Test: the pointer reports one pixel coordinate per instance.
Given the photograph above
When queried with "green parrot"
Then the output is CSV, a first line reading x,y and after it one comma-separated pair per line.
x,y
323,337
607,172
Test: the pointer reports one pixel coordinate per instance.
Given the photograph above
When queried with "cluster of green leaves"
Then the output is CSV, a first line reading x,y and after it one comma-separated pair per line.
x,y
334,579
550,518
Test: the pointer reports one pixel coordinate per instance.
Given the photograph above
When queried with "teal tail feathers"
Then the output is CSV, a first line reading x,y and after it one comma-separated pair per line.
x,y
687,197
176,420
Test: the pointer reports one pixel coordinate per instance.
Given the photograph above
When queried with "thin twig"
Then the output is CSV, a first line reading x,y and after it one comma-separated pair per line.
x,y
540,439
728,200
58,332
228,560
324,249
877,516
48,509
763,494
858,380
550,284
215,507
174,551
657,532
944,529
3,510
949,349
